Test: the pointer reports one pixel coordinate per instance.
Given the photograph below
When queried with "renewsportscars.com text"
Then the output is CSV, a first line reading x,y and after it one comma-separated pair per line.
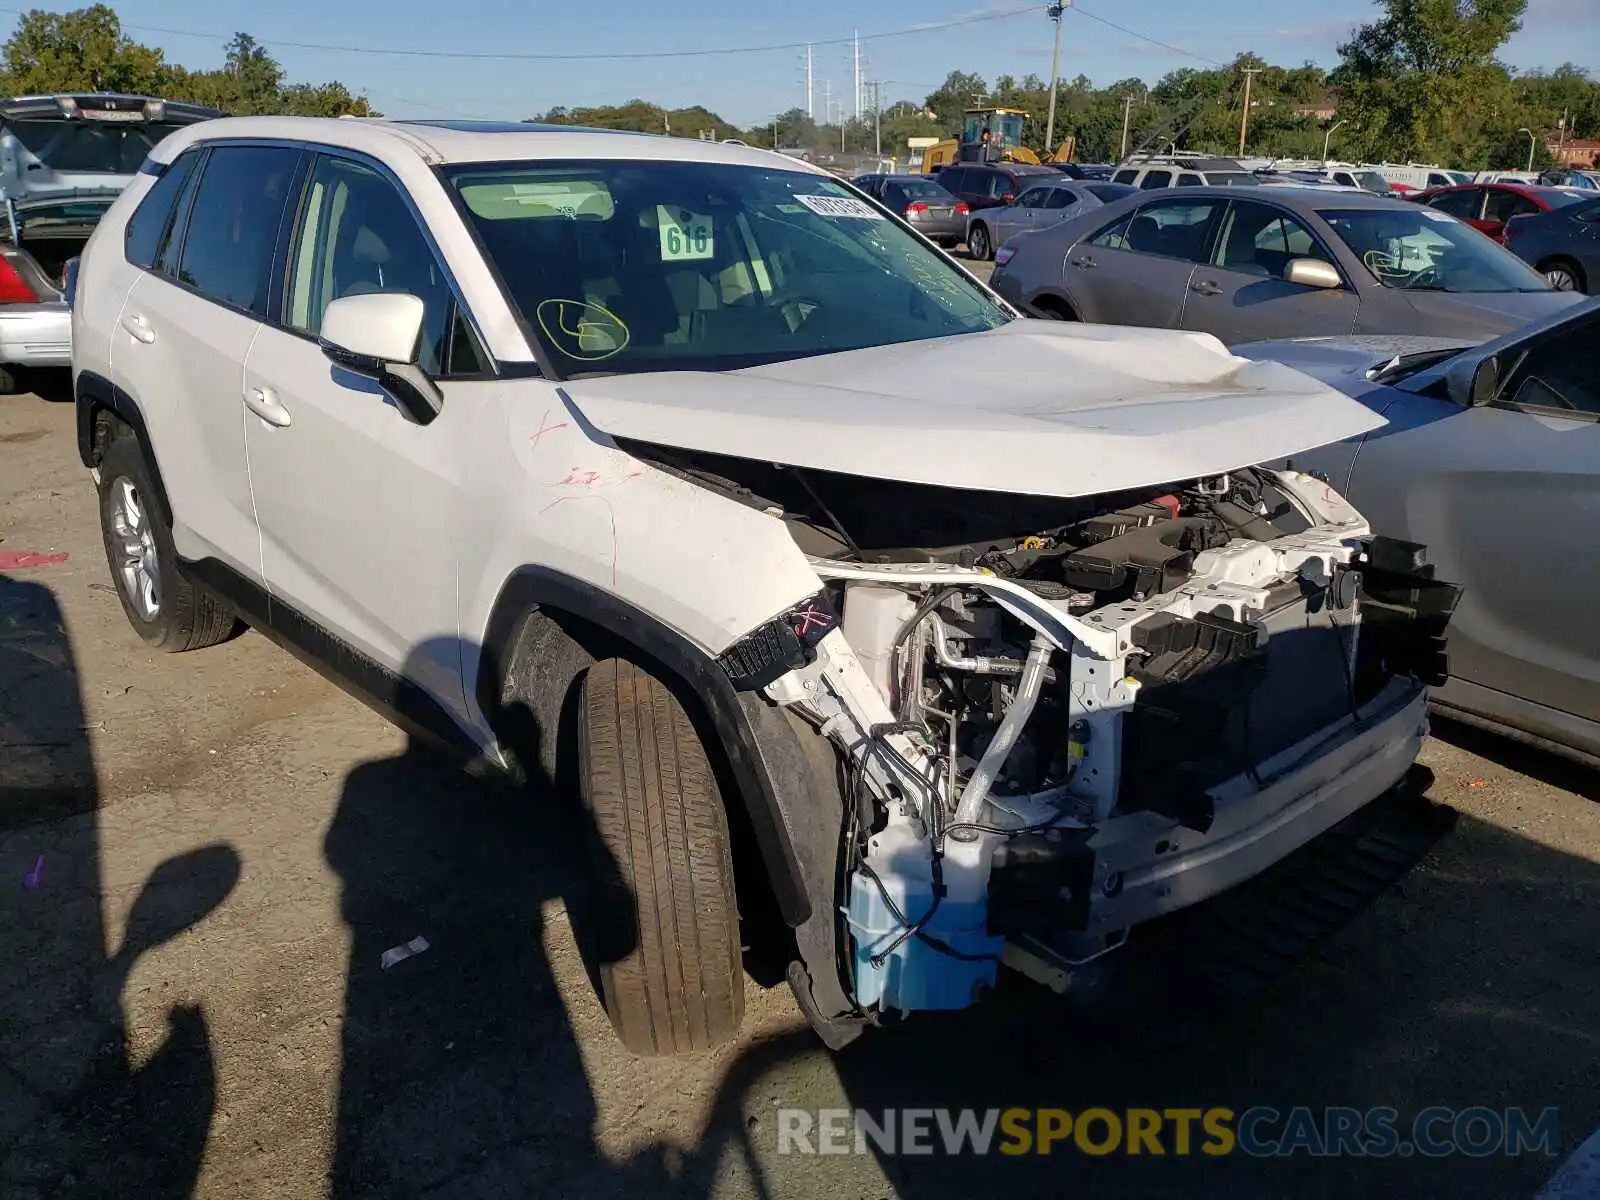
x,y
1260,1132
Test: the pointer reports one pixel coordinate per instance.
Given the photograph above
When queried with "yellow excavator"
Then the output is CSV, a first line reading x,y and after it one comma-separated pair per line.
x,y
989,135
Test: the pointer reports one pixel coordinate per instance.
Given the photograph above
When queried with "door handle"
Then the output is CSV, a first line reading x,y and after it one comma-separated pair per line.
x,y
265,404
138,328
1206,287
1084,262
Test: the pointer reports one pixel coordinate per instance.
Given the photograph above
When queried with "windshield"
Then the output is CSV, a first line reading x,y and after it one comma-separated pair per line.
x,y
1420,249
1232,179
619,266
88,145
1371,181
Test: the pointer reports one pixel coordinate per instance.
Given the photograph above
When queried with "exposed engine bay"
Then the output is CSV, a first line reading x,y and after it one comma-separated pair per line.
x,y
1061,718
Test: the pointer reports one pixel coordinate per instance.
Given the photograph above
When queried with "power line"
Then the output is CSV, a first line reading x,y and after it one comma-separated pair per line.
x,y
909,31
1134,33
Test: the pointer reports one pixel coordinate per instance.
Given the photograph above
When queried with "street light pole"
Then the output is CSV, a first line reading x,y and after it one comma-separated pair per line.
x,y
1328,136
1054,13
1244,120
1127,111
1532,142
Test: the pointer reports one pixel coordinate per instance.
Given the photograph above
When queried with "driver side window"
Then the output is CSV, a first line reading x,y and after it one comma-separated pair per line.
x,y
1558,374
356,235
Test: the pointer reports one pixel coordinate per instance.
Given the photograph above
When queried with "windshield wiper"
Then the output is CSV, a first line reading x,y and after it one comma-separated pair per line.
x,y
1403,365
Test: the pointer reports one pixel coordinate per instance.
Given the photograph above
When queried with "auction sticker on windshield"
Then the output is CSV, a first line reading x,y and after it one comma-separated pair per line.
x,y
684,234
839,206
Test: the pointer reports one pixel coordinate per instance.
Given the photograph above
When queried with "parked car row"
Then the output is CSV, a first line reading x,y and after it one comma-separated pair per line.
x,y
1553,228
1273,262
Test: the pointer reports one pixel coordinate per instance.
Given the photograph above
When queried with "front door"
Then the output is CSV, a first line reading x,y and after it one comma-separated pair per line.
x,y
1241,295
359,506
1505,497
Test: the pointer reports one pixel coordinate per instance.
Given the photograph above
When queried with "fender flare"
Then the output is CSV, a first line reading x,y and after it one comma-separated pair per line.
x,y
740,720
91,393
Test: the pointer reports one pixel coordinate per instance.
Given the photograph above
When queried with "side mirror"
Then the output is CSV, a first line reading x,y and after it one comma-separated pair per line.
x,y
69,279
376,334
1312,272
1475,385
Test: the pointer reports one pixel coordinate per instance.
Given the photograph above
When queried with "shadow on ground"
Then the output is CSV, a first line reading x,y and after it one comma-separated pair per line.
x,y
76,1117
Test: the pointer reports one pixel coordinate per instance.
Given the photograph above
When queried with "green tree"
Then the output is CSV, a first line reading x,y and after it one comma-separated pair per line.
x,y
958,92
1423,82
81,51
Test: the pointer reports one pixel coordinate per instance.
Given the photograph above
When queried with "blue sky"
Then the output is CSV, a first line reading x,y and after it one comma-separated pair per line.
x,y
749,87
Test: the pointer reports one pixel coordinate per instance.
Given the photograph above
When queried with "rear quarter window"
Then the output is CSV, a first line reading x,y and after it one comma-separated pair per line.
x,y
151,220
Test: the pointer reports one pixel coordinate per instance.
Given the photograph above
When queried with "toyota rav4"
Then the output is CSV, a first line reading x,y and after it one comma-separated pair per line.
x,y
680,472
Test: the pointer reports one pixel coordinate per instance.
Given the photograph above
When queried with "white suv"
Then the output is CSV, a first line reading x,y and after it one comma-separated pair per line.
x,y
677,471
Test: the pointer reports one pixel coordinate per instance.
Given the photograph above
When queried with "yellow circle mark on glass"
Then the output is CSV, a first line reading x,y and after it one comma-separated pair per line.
x,y
582,330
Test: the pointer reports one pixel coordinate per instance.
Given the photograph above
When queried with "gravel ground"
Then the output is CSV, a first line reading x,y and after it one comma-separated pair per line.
x,y
203,857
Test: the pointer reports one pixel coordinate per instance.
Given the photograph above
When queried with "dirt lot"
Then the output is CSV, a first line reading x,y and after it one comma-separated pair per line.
x,y
203,857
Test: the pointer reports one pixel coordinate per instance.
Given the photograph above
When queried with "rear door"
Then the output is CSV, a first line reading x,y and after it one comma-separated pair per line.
x,y
1504,496
1465,204
1021,216
1241,294
1136,270
183,337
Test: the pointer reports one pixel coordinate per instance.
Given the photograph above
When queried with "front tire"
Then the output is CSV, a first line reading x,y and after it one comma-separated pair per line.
x,y
676,985
978,243
1563,276
165,609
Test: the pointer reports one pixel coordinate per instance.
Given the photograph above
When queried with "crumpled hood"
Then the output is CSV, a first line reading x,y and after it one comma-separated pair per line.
x,y
1034,407
1344,361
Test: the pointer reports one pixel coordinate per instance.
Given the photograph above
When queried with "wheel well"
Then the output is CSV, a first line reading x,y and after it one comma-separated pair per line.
x,y
535,721
1562,260
1054,306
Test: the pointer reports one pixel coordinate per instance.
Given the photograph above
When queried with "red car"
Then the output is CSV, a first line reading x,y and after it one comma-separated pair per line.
x,y
1488,206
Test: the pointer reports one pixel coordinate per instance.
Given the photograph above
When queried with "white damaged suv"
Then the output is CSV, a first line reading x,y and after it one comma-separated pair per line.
x,y
681,472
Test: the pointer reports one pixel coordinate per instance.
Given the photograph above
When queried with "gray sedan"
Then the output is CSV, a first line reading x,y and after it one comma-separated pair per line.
x,y
1046,203
1274,263
1490,457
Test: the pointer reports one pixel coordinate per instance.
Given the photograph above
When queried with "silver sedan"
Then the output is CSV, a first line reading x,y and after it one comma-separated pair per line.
x,y
1038,207
1247,264
1491,457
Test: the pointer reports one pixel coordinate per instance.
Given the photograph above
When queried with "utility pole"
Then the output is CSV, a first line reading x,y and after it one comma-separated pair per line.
x,y
877,117
827,101
1127,112
1244,120
855,46
811,111
1054,13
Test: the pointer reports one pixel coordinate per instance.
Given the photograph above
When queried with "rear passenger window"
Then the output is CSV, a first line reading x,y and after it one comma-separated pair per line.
x,y
1127,176
233,227
1189,179
150,221
1156,179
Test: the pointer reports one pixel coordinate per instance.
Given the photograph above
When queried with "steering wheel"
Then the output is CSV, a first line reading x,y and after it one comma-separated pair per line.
x,y
1428,276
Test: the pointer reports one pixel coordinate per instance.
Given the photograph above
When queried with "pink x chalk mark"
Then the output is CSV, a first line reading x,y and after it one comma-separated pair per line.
x,y
13,559
544,428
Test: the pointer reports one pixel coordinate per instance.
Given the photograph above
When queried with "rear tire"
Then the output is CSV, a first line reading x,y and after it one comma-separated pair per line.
x,y
168,611
978,243
676,984
1054,310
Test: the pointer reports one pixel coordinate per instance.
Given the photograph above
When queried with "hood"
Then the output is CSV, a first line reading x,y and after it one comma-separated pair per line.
x,y
1489,314
1033,407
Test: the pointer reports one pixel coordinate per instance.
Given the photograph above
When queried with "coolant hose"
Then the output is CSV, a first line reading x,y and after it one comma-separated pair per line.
x,y
1005,738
